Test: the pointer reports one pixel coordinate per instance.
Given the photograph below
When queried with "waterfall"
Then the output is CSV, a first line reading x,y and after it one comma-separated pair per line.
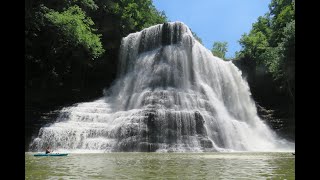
x,y
171,94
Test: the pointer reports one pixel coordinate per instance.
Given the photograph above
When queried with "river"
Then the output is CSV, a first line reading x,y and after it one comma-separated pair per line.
x,y
124,165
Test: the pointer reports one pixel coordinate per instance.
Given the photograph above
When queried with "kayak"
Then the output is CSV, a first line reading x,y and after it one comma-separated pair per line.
x,y
51,154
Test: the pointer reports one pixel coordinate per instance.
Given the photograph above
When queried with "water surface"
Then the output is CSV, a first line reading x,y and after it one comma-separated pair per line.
x,y
162,166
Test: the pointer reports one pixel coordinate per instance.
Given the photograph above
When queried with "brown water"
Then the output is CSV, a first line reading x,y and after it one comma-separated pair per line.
x,y
162,166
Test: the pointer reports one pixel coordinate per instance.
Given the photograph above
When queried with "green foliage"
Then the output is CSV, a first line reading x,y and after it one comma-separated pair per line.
x,y
137,14
62,5
283,67
255,44
219,49
262,25
76,27
287,49
238,55
63,36
88,3
271,42
281,12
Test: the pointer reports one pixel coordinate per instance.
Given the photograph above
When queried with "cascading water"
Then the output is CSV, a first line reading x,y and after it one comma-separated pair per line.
x,y
171,94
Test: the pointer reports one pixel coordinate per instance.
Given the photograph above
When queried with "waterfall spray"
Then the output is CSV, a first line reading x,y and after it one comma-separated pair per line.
x,y
171,94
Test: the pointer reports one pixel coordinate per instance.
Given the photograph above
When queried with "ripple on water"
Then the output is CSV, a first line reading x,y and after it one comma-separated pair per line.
x,y
162,165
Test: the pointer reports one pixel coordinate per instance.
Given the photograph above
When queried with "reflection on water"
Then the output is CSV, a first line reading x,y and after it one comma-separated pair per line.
x,y
162,166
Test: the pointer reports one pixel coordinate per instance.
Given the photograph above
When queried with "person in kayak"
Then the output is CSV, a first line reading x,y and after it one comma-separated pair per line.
x,y
48,150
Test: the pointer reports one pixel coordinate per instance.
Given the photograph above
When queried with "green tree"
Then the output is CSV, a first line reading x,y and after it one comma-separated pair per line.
x,y
281,13
219,49
254,45
136,14
62,37
282,63
75,26
271,43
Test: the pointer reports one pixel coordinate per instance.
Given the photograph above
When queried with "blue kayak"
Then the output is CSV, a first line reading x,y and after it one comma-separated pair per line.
x,y
51,154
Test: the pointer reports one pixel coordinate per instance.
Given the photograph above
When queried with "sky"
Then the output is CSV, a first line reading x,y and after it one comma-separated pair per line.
x,y
215,20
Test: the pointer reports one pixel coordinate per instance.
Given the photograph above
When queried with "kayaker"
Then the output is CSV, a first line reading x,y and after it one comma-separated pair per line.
x,y
48,150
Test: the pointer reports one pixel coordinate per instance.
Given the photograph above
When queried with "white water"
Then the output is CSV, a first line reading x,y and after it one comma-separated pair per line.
x,y
171,94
